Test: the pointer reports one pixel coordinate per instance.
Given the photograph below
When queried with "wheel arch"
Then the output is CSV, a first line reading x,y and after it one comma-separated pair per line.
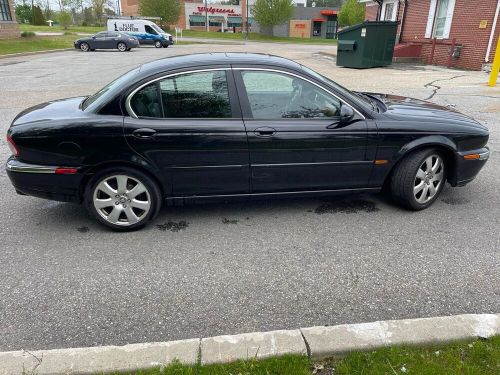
x,y
443,144
90,172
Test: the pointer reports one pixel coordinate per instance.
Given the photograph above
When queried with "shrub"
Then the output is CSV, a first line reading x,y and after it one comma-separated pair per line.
x,y
27,34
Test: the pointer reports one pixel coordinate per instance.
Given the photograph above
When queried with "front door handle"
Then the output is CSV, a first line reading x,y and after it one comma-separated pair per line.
x,y
264,131
144,133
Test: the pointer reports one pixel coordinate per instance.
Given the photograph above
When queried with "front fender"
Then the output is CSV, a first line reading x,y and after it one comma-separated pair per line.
x,y
427,141
394,153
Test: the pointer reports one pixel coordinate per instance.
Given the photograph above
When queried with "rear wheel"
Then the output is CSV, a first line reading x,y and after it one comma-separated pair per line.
x,y
123,198
84,47
419,179
158,44
122,47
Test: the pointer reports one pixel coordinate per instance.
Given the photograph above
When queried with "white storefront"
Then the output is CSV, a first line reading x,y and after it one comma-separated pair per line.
x,y
219,16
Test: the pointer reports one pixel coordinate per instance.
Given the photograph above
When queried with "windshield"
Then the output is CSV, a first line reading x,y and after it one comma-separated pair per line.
x,y
110,87
157,28
360,100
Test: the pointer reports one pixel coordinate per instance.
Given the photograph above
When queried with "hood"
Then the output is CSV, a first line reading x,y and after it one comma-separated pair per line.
x,y
400,107
52,110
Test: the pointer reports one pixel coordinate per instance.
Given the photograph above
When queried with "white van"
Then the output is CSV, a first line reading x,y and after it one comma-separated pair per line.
x,y
146,31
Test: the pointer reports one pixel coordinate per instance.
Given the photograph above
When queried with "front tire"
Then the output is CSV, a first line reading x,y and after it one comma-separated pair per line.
x,y
122,198
419,179
122,47
84,47
158,44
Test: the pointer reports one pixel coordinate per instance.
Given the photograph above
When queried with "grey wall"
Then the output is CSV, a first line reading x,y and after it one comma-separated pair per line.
x,y
300,13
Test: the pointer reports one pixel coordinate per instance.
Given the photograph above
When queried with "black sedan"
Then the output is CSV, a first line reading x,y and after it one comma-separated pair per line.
x,y
107,40
232,125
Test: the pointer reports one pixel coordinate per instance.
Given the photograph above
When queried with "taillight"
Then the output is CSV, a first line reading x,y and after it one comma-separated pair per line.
x,y
12,146
62,170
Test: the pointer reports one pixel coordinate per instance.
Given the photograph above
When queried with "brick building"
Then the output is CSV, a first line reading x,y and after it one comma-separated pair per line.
x,y
8,24
474,25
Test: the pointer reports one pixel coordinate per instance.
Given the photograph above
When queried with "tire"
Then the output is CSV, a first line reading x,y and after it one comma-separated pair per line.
x,y
166,45
419,179
122,198
84,47
122,47
158,44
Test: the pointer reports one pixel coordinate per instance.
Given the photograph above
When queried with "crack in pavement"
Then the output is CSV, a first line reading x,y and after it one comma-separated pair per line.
x,y
436,87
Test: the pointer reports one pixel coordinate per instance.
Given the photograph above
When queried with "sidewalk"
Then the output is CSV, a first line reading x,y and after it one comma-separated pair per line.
x,y
315,342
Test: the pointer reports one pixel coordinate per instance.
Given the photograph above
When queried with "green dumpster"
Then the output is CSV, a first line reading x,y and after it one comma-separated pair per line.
x,y
367,45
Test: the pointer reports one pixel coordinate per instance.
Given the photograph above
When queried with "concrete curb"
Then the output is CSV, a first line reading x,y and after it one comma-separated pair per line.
x,y
316,342
21,54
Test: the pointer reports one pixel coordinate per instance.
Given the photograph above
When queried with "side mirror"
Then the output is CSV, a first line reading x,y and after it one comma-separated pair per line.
x,y
346,114
93,37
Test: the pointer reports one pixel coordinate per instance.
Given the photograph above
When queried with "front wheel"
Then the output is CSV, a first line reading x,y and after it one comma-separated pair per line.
x,y
419,179
84,47
122,47
123,198
158,44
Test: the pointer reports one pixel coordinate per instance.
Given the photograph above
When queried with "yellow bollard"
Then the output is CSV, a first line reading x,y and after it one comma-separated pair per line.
x,y
496,66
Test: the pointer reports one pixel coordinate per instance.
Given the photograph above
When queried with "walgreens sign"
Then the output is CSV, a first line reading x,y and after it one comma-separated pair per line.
x,y
213,10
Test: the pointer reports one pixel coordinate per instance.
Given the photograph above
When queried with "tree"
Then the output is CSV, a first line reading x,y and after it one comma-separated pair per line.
x,y
64,19
269,13
23,13
168,10
38,18
98,7
351,13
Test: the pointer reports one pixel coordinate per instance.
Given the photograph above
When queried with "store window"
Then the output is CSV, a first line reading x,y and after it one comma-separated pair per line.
x,y
196,23
5,11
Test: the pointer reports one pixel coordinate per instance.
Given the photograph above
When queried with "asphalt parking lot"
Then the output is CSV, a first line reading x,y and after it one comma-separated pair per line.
x,y
225,268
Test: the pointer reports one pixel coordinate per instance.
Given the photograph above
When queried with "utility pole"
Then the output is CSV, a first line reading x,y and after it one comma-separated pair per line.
x,y
248,31
206,16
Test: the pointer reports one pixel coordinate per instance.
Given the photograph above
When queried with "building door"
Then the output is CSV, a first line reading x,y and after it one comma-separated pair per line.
x,y
331,27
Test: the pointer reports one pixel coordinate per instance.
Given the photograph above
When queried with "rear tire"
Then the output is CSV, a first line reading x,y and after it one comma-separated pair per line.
x,y
419,179
122,198
84,47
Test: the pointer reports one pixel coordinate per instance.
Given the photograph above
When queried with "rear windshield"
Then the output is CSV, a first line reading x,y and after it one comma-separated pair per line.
x,y
110,89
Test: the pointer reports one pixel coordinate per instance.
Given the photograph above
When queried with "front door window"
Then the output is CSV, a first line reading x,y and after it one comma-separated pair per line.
x,y
279,96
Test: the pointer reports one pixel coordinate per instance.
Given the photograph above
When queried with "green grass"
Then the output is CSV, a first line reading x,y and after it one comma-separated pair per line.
x,y
256,37
37,43
59,29
481,357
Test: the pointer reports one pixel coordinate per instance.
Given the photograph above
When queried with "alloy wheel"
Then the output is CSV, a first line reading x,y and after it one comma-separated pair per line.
x,y
429,178
122,47
158,44
121,200
84,47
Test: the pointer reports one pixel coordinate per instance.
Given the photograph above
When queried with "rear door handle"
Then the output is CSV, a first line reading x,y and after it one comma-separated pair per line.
x,y
264,131
144,133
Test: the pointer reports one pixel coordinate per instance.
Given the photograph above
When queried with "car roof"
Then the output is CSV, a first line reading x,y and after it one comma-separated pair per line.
x,y
203,59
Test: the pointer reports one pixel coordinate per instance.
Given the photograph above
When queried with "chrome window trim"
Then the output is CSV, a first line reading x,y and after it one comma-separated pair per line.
x,y
305,79
129,109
